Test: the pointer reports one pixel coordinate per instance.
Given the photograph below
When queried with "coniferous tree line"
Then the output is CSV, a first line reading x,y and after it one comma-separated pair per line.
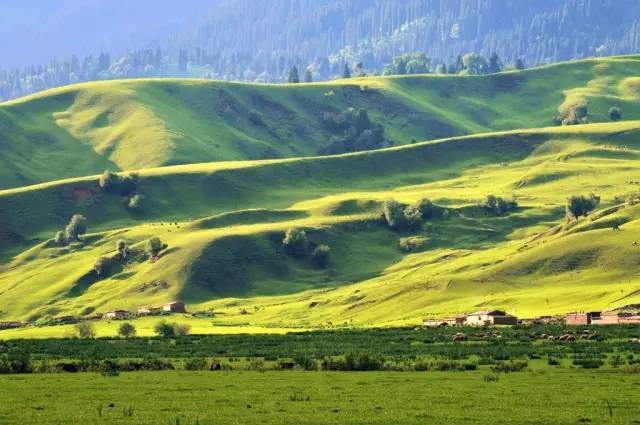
x,y
262,41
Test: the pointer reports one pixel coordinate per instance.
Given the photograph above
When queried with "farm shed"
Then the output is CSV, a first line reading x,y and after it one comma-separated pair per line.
x,y
117,314
489,318
174,307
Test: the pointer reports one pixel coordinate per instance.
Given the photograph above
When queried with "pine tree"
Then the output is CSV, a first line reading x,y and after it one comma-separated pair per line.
x,y
346,72
494,64
294,78
182,60
308,76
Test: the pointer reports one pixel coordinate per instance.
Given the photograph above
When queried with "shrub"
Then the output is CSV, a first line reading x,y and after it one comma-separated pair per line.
x,y
77,226
552,361
102,266
615,113
109,368
256,364
123,249
412,217
171,330
305,362
510,366
426,208
127,330
587,363
350,362
111,182
135,203
578,206
154,246
400,216
320,256
182,329
498,205
85,330
295,242
256,118
60,238
107,181
16,361
127,184
164,330
393,213
492,377
412,243
195,363
577,114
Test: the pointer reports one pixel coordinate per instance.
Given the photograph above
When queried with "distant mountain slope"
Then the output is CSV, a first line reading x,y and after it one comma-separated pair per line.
x,y
132,124
260,40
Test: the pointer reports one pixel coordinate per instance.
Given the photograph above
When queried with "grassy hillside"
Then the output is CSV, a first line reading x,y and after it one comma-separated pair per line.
x,y
124,125
224,221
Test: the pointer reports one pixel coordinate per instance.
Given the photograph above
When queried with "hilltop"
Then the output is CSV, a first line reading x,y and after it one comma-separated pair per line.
x,y
224,222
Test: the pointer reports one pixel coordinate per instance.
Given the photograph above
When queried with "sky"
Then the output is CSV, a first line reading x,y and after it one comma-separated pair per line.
x,y
36,31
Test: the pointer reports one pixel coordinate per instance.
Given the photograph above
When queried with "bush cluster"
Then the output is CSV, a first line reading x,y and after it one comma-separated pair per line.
x,y
406,217
577,114
154,246
115,183
412,243
353,131
296,244
77,226
497,205
353,363
171,330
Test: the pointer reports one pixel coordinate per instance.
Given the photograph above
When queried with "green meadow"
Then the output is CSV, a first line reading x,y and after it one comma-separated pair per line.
x,y
224,170
176,397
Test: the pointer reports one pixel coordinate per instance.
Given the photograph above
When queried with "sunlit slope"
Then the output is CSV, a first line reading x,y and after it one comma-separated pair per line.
x,y
224,223
124,125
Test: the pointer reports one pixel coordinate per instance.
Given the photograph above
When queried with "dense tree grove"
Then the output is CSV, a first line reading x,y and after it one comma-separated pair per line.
x,y
352,131
332,37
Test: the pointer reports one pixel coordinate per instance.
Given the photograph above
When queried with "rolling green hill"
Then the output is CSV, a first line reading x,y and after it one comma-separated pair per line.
x,y
135,124
224,221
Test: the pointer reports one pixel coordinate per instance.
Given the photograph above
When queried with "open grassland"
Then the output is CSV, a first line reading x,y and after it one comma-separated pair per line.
x,y
224,222
529,262
171,397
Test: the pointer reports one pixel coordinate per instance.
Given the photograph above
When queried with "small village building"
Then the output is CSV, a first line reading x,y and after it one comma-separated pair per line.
x,y
490,318
582,318
148,311
629,318
10,325
117,314
606,318
449,321
174,307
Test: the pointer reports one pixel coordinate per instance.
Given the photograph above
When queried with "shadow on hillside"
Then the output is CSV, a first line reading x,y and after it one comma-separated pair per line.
x,y
256,265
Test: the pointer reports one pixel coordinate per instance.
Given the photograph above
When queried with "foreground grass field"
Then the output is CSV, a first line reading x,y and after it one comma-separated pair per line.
x,y
172,397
